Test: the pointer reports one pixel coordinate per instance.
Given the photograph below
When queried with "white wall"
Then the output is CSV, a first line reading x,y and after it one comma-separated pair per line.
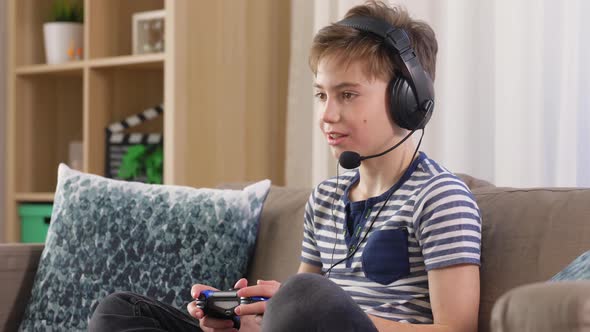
x,y
3,56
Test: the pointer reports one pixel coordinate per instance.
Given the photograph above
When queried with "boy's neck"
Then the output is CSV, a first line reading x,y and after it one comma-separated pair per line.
x,y
377,175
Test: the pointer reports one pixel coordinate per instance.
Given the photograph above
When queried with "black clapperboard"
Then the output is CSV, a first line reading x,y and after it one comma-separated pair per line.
x,y
118,141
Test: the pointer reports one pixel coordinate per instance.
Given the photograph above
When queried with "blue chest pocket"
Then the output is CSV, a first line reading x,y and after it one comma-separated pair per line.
x,y
385,256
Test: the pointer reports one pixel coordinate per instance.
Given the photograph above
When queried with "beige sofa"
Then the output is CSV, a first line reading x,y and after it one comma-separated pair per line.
x,y
528,236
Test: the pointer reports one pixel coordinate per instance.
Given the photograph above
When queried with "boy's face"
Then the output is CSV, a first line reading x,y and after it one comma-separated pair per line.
x,y
353,113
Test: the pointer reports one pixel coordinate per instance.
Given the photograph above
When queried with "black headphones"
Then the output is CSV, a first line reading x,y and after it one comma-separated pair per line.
x,y
412,90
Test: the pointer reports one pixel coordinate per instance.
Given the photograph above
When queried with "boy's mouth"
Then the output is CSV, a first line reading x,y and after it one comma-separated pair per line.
x,y
335,138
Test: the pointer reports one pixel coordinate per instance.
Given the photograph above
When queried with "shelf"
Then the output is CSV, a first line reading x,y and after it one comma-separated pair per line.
x,y
28,17
143,61
76,68
110,25
52,106
48,114
71,68
34,197
116,94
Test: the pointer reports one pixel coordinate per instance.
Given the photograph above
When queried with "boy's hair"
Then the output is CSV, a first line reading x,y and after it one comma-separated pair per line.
x,y
347,44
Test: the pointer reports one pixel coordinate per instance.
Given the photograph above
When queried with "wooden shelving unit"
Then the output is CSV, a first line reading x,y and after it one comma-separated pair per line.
x,y
222,80
34,197
61,69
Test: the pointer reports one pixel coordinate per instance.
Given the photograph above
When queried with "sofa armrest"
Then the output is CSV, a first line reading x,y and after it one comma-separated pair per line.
x,y
540,307
18,265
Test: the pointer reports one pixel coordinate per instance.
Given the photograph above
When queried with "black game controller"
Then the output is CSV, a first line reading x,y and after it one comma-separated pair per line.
x,y
221,305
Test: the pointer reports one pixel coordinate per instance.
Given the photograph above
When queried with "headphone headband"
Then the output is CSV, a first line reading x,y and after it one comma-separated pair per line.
x,y
398,40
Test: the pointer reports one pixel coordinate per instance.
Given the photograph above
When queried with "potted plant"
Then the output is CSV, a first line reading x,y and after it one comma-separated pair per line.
x,y
64,32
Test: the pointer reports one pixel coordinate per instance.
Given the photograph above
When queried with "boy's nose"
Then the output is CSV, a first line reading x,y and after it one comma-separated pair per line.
x,y
331,113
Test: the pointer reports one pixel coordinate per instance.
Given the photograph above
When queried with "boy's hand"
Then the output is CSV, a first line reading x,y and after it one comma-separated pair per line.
x,y
249,322
207,324
192,308
264,288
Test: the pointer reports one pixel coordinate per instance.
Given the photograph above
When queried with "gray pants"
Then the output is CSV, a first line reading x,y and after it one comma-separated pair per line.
x,y
305,302
310,302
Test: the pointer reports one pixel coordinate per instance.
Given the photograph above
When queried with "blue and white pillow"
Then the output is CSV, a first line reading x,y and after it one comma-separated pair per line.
x,y
579,269
107,235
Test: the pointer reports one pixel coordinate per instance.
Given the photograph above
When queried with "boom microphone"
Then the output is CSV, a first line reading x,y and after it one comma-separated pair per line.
x,y
351,159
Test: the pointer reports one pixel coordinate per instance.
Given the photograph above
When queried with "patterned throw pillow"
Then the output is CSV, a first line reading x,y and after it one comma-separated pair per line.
x,y
579,269
107,235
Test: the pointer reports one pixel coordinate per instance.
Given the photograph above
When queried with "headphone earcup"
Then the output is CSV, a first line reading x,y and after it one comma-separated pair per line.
x,y
403,105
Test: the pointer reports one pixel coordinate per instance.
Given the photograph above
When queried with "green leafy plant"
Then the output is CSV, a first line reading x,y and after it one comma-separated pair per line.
x,y
67,11
141,159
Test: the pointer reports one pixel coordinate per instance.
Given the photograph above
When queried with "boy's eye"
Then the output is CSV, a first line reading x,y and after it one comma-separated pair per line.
x,y
347,95
320,96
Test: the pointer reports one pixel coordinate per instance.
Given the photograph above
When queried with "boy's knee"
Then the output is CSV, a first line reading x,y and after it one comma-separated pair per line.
x,y
311,302
306,283
113,302
304,294
309,287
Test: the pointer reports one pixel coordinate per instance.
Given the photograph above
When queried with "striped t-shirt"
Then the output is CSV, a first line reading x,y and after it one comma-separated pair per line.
x,y
431,221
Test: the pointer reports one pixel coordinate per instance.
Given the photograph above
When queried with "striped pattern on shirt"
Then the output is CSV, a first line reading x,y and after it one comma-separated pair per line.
x,y
443,224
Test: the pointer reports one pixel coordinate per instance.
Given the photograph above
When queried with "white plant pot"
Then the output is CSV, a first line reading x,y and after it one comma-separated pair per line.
x,y
63,41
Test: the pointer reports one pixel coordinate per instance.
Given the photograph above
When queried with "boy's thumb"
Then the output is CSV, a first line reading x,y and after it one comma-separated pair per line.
x,y
241,283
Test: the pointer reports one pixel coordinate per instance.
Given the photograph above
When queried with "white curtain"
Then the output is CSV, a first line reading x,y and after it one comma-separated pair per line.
x,y
512,90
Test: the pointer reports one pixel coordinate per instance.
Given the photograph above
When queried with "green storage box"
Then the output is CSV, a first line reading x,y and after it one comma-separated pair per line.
x,y
34,222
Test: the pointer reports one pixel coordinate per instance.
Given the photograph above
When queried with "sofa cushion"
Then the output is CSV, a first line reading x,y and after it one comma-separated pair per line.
x,y
473,182
579,269
108,236
528,235
544,307
18,264
278,248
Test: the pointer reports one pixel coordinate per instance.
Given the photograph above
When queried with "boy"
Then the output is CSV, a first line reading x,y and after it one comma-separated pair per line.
x,y
401,235
398,239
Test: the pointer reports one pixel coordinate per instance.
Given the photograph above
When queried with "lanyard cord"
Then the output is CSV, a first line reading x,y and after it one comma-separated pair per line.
x,y
357,246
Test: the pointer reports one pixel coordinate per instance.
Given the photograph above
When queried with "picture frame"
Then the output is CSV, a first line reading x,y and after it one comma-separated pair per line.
x,y
148,32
